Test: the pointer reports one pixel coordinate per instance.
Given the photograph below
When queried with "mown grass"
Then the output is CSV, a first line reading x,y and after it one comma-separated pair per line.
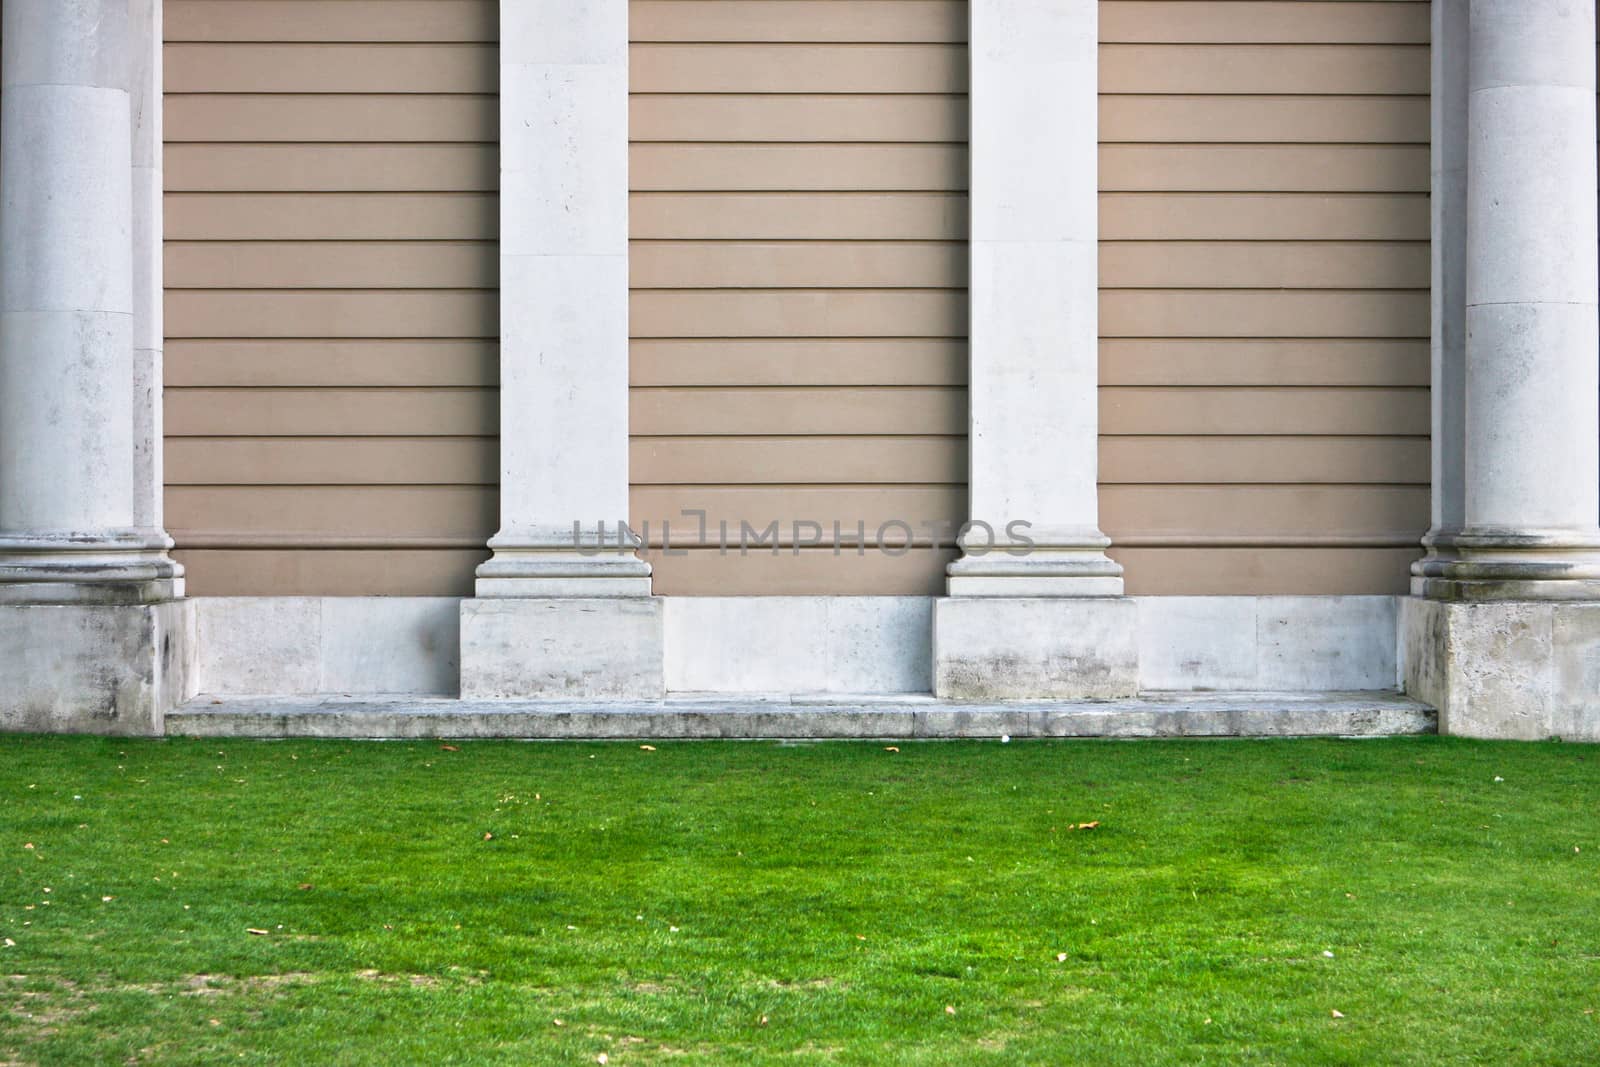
x,y
764,903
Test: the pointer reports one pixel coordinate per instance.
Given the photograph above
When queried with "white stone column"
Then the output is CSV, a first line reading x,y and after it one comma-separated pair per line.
x,y
68,532
144,88
1034,334
564,303
1505,633
1530,444
1053,623
1447,353
93,630
564,606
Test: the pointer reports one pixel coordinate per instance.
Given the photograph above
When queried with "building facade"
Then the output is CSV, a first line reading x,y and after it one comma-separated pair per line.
x,y
799,351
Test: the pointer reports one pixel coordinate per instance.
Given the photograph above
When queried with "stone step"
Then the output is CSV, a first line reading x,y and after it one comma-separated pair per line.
x,y
1360,714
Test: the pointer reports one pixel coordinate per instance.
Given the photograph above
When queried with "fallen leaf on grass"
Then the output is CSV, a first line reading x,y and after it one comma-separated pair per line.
x,y
1061,957
647,748
28,845
763,1020
1337,1014
303,886
254,931
558,1022
448,748
488,837
949,1009
10,943
1085,825
890,748
602,1058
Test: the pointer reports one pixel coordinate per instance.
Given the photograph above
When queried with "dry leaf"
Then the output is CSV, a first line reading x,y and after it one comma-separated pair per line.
x,y
29,845
258,933
763,1020
1337,1014
890,748
214,1022
602,1058
448,748
949,1009
558,1022
10,943
488,837
647,748
107,900
1061,957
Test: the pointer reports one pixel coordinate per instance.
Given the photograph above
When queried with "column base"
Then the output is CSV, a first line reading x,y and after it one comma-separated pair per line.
x,y
1035,648
119,567
1516,670
529,572
95,668
1493,564
563,648
1071,563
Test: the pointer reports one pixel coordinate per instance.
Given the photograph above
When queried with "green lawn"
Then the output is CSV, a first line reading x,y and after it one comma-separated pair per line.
x,y
763,903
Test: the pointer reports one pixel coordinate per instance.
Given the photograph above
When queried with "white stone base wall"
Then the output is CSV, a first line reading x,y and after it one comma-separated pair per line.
x,y
799,644
1267,643
791,645
296,645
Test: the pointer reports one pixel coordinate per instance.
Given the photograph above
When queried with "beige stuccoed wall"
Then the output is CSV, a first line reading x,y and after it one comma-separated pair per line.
x,y
798,265
1264,294
331,174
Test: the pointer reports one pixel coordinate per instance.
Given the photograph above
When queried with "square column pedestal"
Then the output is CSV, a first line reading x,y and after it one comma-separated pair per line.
x,y
1035,648
1514,670
563,648
94,668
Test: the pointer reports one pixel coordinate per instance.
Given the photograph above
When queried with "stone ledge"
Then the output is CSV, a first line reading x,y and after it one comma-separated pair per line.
x,y
1364,714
